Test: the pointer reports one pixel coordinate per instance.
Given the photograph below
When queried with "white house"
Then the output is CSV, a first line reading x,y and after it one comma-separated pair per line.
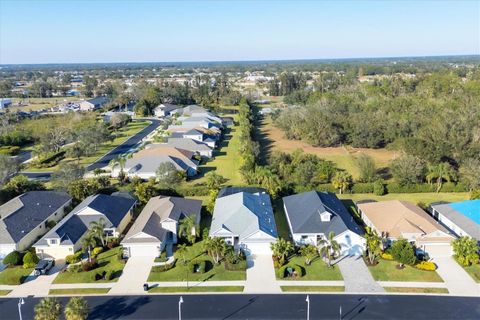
x,y
157,225
93,104
462,218
165,110
313,215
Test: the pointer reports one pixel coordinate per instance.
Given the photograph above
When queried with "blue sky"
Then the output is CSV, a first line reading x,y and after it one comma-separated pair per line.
x,y
124,31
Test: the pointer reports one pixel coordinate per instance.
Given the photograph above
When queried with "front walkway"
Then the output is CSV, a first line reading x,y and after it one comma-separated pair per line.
x,y
261,275
134,275
457,280
356,275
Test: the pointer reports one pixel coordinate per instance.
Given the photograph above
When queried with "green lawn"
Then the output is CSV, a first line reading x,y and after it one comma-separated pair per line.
x,y
181,273
473,271
196,289
415,198
386,270
312,288
4,292
317,270
14,275
416,290
281,219
108,261
78,291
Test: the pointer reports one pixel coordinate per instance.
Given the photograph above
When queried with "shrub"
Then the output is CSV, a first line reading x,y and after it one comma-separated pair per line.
x,y
30,260
426,265
328,187
240,266
96,251
109,275
10,150
74,258
363,188
87,266
14,258
379,188
298,269
75,268
113,243
51,224
402,251
162,258
276,262
199,266
386,256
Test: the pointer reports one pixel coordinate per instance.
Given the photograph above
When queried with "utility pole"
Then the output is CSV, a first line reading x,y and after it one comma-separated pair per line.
x,y
308,307
179,308
20,303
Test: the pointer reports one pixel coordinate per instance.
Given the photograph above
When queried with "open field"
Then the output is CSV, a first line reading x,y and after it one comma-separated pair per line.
x,y
34,104
425,198
386,270
196,289
415,290
78,291
312,288
343,157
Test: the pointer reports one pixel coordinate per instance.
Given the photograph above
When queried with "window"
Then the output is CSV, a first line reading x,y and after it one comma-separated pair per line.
x,y
70,249
53,241
304,237
108,232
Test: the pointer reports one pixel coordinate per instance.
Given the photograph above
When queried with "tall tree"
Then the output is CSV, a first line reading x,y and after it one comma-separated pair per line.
x,y
97,228
48,309
281,249
8,167
88,243
216,248
188,229
407,170
366,167
329,248
168,176
342,181
76,309
470,173
440,172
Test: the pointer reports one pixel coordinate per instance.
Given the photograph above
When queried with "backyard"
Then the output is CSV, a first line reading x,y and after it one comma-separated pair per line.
x,y
14,275
317,270
181,272
108,261
386,270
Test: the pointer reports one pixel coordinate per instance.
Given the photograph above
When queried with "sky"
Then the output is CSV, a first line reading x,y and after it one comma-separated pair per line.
x,y
163,31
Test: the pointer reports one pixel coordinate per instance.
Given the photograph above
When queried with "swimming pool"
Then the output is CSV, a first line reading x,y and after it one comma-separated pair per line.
x,y
470,209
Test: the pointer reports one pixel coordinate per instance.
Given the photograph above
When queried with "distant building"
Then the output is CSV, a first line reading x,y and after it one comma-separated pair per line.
x,y
462,218
165,110
93,104
5,102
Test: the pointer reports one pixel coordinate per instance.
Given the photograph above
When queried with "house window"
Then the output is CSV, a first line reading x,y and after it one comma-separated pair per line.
x,y
53,241
108,232
70,249
304,237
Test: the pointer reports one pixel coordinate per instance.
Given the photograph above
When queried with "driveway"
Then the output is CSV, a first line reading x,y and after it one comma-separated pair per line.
x,y
457,280
261,274
356,275
38,285
134,275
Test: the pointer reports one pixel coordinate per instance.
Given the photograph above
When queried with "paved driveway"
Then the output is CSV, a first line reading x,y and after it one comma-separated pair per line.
x,y
38,286
457,280
261,275
356,276
134,275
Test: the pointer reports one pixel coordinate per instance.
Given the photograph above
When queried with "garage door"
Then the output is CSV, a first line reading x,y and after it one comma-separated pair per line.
x,y
257,248
438,250
144,251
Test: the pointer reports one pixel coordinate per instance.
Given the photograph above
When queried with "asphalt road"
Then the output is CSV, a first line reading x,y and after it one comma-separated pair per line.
x,y
105,160
282,306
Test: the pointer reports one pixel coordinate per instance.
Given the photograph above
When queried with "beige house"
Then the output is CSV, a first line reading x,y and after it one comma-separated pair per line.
x,y
65,238
25,218
403,220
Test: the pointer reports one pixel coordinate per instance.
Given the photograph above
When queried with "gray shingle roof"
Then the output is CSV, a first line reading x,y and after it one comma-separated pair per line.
x,y
192,132
188,144
303,211
226,191
98,101
465,223
24,213
167,107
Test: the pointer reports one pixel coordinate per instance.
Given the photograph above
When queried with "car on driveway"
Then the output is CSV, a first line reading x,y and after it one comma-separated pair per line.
x,y
43,266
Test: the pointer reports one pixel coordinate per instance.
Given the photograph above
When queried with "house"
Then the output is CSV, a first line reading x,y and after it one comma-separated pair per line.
x,y
157,225
145,163
403,220
26,218
193,108
165,110
5,102
244,218
462,218
194,146
227,121
93,104
312,215
200,121
65,238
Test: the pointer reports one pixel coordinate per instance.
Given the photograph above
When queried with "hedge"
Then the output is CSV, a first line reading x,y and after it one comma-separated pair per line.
x,y
195,190
14,258
426,265
296,268
394,187
10,150
74,258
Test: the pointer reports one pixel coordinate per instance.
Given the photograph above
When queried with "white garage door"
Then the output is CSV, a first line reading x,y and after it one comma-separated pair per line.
x,y
437,250
257,248
144,251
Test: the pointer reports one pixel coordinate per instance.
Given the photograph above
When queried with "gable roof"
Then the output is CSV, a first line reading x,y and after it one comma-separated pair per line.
x,y
113,207
188,144
226,191
167,107
303,212
158,209
400,217
193,132
98,101
462,214
193,108
22,214
244,214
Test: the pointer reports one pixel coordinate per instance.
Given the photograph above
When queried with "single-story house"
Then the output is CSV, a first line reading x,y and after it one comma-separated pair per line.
x,y
244,218
165,110
65,238
312,215
157,225
193,108
144,163
93,104
201,121
191,145
25,218
197,135
403,220
462,218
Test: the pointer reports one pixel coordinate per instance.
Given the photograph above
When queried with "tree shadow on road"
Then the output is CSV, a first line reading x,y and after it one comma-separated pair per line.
x,y
117,308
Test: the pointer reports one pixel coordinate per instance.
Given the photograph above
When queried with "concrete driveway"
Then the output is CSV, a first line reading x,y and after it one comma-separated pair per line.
x,y
261,274
134,275
38,285
356,275
457,280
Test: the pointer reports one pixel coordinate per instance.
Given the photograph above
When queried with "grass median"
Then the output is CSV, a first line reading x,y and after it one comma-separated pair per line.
x,y
196,289
78,291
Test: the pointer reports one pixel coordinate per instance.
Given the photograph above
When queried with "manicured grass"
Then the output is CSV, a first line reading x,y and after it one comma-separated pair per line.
x,y
181,272
317,270
386,270
415,198
4,292
78,291
473,271
416,290
197,289
14,275
312,288
108,261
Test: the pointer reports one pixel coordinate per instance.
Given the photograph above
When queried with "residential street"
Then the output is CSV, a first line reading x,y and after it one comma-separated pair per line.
x,y
266,307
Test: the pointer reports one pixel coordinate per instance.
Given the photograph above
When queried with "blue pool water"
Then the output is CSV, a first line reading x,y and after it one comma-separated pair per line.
x,y
470,209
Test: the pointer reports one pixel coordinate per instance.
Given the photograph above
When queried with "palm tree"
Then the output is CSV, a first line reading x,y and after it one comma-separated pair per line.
x,y
88,243
48,309
188,229
120,161
215,247
76,309
97,229
309,252
439,172
329,248
181,252
281,249
373,246
342,181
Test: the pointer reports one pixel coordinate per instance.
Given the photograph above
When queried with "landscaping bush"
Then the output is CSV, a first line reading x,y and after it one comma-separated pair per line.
x,y
426,265
74,258
75,268
87,266
9,150
113,243
96,251
298,269
30,260
14,258
50,224
402,251
49,160
379,188
162,258
200,266
109,275
239,266
386,256
363,188
276,262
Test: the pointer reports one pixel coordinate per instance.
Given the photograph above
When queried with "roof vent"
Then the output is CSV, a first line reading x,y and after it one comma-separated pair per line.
x,y
38,203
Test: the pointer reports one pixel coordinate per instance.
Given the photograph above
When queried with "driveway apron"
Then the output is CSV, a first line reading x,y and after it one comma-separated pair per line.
x,y
356,276
457,280
261,275
134,275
